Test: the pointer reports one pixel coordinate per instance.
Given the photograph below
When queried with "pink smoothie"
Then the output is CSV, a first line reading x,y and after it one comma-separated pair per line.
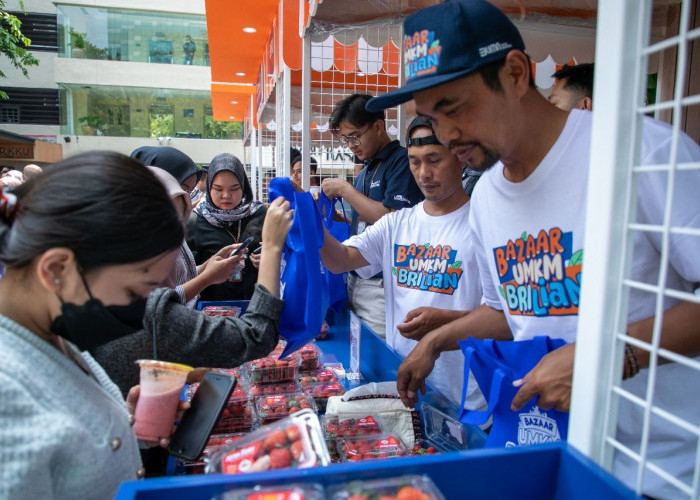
x,y
155,414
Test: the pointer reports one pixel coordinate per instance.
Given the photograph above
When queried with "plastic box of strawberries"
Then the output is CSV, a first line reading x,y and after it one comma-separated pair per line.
x,y
270,370
214,443
337,427
310,358
361,448
412,487
276,406
233,311
293,442
309,491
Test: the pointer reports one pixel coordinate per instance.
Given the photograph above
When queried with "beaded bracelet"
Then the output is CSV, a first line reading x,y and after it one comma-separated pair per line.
x,y
631,363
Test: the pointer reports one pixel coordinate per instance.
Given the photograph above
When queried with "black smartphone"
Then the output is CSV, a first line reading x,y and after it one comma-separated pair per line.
x,y
246,243
208,403
258,250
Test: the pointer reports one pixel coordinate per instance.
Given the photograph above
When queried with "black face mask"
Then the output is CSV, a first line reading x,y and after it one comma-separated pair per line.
x,y
93,324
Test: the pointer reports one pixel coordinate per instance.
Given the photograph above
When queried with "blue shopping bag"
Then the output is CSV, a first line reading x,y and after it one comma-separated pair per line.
x,y
340,230
302,286
495,365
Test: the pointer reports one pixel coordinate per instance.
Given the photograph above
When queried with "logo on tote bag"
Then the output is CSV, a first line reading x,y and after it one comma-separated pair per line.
x,y
535,427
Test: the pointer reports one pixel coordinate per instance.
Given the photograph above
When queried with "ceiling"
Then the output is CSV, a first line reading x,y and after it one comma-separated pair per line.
x,y
236,54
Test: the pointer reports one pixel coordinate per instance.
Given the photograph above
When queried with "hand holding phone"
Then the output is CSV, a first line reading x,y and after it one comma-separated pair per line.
x,y
246,243
197,423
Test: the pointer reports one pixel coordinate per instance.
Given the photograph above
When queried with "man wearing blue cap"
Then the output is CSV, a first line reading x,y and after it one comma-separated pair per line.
x,y
468,74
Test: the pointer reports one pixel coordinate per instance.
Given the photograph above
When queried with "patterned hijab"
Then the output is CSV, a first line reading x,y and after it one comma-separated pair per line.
x,y
226,218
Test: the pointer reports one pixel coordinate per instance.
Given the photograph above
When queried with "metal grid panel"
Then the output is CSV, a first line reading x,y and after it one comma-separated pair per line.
x,y
616,293
357,57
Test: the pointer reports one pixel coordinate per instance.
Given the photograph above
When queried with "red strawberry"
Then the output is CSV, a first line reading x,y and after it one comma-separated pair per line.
x,y
280,458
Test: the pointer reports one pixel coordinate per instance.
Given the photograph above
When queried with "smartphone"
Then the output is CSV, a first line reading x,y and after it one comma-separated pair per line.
x,y
257,250
197,423
246,243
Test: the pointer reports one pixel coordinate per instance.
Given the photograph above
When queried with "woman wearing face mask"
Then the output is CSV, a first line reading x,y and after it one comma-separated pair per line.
x,y
183,335
228,215
77,272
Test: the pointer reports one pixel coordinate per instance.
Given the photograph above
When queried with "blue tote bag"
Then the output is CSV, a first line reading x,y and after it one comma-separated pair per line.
x,y
302,285
340,230
495,365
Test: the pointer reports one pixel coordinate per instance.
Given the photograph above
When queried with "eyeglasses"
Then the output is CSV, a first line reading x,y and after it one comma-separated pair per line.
x,y
354,140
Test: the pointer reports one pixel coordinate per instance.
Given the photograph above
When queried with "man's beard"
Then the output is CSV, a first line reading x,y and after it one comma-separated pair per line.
x,y
481,158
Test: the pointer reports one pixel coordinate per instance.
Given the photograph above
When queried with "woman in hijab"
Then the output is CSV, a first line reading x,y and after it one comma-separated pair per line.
x,y
187,278
228,215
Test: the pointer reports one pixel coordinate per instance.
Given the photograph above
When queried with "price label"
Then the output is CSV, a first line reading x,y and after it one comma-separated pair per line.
x,y
355,327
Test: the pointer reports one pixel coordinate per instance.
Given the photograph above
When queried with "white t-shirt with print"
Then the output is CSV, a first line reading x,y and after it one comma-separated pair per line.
x,y
529,238
427,262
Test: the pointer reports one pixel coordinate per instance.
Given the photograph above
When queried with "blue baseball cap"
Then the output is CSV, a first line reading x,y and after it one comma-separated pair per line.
x,y
447,41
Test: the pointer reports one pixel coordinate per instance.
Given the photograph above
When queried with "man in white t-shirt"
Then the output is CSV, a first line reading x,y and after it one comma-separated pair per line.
x,y
427,259
467,72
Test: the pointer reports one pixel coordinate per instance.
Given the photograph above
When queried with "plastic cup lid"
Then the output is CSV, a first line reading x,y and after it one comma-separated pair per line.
x,y
164,365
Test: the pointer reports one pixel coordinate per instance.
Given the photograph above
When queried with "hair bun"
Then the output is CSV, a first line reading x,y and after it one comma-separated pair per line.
x,y
9,205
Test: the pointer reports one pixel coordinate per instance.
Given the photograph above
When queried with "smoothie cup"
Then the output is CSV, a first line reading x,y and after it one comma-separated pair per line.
x,y
161,384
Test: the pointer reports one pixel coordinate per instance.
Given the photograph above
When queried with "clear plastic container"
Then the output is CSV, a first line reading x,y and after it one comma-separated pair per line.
x,y
257,390
403,487
362,448
188,467
323,390
239,414
441,431
310,356
338,427
233,311
275,407
293,442
308,380
308,491
270,370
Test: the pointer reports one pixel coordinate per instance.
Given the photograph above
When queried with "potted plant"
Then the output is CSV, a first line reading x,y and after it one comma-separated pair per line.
x,y
91,124
77,43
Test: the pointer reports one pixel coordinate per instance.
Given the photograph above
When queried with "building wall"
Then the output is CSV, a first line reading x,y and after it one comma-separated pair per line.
x,y
200,150
54,72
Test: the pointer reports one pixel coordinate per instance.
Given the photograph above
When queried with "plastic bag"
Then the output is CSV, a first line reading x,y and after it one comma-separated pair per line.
x,y
302,286
340,230
495,365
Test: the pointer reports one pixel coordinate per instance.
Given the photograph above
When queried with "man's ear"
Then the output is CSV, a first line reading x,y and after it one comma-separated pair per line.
x,y
586,103
53,266
381,126
517,71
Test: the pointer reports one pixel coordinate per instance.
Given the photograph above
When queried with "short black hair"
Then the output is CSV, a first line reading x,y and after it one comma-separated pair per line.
x,y
578,78
352,109
313,165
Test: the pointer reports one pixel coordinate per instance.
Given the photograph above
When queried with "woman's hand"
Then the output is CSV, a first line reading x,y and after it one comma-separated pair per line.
x,y
220,269
278,220
255,259
132,399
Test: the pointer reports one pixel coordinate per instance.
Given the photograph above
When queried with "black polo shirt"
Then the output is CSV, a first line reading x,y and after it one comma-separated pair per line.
x,y
387,178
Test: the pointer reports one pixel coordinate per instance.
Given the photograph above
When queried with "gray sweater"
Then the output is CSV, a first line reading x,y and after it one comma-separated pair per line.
x,y
64,433
187,336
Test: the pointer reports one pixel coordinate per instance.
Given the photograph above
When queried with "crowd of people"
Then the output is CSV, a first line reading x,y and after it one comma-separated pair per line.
x,y
490,165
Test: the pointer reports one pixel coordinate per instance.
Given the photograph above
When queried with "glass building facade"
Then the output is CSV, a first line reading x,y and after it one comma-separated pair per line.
x,y
119,35
141,112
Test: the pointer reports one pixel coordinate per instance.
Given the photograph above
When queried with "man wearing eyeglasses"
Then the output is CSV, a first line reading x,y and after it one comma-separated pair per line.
x,y
384,184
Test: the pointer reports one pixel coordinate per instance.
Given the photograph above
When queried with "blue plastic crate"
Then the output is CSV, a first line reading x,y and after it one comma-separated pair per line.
x,y
544,472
